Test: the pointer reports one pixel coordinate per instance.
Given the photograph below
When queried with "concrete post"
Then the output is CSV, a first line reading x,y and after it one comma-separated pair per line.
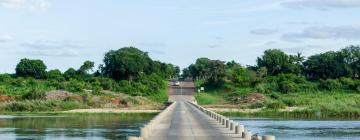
x,y
227,123
268,137
132,138
239,129
144,132
223,121
246,135
231,125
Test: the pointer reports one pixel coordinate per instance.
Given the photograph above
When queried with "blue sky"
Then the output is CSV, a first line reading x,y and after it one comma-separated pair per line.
x,y
64,33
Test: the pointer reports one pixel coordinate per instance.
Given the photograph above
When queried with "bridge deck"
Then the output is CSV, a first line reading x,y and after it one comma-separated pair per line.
x,y
186,122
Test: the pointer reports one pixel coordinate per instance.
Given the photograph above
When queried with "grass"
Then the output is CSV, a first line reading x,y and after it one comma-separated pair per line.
x,y
210,98
334,104
338,102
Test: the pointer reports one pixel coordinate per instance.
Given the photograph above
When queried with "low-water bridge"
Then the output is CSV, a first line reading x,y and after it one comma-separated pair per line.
x,y
185,120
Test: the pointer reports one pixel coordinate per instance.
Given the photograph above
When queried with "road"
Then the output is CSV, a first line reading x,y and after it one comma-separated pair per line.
x,y
186,122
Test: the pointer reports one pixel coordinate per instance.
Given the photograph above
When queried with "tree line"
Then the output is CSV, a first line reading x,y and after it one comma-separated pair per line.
x,y
127,70
276,70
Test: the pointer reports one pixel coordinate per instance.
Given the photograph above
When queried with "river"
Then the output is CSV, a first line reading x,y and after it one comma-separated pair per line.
x,y
298,129
116,126
71,127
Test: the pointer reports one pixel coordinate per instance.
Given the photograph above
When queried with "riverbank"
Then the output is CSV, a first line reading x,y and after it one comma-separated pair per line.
x,y
339,104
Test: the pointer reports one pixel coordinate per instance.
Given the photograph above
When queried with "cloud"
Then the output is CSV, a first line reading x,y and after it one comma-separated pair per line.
x,y
270,43
325,32
33,5
5,38
302,49
263,32
321,4
152,44
217,42
52,48
157,52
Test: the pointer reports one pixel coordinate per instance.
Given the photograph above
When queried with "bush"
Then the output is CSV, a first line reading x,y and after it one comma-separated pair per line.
x,y
330,84
75,86
348,83
288,86
40,105
289,102
276,105
257,105
34,94
266,87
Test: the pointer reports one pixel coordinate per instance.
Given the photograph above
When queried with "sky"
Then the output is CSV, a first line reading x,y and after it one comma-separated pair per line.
x,y
65,33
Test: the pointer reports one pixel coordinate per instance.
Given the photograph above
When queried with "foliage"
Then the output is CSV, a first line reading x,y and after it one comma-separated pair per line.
x,y
31,68
70,74
330,84
55,75
126,63
34,94
276,62
86,67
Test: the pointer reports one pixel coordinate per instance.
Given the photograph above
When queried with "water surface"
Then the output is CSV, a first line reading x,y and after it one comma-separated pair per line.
x,y
303,129
71,127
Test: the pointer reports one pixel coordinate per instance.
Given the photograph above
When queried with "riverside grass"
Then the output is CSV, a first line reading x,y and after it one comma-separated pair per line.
x,y
325,104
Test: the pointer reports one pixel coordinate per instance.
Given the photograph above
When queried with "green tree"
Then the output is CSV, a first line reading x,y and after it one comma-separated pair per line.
x,y
86,67
276,62
351,56
126,63
327,65
55,74
70,74
31,68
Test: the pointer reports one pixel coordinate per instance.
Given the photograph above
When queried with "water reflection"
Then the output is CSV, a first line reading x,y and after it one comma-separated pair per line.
x,y
304,129
73,127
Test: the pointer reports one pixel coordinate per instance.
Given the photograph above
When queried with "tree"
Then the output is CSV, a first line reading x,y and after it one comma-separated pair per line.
x,y
86,67
55,74
31,68
277,62
351,56
326,65
126,63
70,73
217,70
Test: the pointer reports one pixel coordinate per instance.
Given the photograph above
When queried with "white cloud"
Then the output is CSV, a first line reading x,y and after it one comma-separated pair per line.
x,y
263,31
33,5
340,32
5,38
321,4
52,48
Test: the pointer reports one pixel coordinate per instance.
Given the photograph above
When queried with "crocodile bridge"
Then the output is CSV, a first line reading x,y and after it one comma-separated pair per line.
x,y
185,120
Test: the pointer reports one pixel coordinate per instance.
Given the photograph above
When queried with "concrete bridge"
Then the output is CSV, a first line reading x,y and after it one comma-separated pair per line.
x,y
185,120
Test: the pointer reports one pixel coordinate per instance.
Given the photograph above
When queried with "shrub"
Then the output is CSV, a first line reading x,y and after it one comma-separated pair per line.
x,y
41,105
265,87
274,96
330,84
75,86
289,102
276,105
257,105
34,94
288,86
107,84
348,83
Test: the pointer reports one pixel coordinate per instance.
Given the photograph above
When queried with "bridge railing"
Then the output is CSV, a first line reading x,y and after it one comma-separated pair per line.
x,y
235,127
146,130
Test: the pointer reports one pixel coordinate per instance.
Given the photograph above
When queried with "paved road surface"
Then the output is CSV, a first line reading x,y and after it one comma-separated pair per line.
x,y
186,122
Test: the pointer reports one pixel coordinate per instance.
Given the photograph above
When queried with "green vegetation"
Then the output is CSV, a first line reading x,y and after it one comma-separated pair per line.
x,y
129,77
326,83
